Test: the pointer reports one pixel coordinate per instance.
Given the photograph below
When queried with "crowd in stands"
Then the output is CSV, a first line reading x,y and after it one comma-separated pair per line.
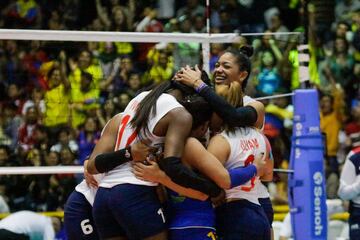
x,y
55,97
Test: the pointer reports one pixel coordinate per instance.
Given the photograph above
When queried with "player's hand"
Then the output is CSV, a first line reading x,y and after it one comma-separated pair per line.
x,y
188,76
259,163
148,171
141,150
89,178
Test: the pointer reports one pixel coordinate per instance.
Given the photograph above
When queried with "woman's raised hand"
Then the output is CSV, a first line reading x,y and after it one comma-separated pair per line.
x,y
188,76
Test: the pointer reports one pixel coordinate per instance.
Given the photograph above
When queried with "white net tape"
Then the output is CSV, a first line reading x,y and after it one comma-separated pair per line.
x,y
40,170
94,36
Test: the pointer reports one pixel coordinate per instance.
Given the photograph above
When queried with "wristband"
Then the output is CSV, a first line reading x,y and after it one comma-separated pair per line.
x,y
201,87
241,175
107,161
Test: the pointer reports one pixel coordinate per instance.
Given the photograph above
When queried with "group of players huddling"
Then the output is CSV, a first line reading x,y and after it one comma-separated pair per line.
x,y
183,161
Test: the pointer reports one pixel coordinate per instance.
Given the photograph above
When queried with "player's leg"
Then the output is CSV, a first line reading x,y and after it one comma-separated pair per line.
x,y
78,220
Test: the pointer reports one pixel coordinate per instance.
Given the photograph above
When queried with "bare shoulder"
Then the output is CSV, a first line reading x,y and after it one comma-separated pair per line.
x,y
180,115
218,138
259,106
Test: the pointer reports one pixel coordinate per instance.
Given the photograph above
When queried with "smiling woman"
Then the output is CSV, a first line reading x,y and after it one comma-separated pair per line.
x,y
233,65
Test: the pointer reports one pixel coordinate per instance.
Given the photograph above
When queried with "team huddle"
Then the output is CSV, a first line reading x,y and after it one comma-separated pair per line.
x,y
182,161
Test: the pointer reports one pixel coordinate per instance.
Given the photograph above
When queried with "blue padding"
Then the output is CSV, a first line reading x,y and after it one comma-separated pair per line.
x,y
307,185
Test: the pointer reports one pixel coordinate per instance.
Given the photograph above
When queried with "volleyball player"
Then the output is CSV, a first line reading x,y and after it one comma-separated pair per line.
x,y
125,206
191,218
232,66
78,220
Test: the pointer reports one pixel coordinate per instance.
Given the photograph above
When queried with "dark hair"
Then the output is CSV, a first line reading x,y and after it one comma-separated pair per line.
x,y
148,104
345,42
199,109
87,75
242,57
51,71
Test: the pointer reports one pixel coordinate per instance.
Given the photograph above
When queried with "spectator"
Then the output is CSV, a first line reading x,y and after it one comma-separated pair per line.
x,y
13,70
68,157
14,93
84,99
148,24
354,125
268,78
199,24
87,64
106,113
162,71
42,139
65,141
23,14
122,76
55,22
340,65
134,84
26,133
344,9
87,139
277,26
216,50
36,101
330,125
4,138
123,101
57,98
191,9
11,123
52,159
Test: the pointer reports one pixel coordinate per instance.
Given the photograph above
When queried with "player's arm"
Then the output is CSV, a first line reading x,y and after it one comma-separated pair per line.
x,y
179,127
267,175
220,148
199,158
250,115
105,158
260,112
105,144
152,172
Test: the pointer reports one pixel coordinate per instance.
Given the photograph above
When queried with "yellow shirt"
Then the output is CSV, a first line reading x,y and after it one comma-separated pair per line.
x,y
94,70
122,48
331,124
57,106
79,98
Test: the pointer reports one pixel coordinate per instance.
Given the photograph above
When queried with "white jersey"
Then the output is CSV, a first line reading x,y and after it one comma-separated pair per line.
x,y
88,191
245,143
127,136
262,191
261,188
349,188
34,225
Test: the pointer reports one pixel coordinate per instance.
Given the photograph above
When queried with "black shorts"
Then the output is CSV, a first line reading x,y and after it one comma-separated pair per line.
x,y
8,235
